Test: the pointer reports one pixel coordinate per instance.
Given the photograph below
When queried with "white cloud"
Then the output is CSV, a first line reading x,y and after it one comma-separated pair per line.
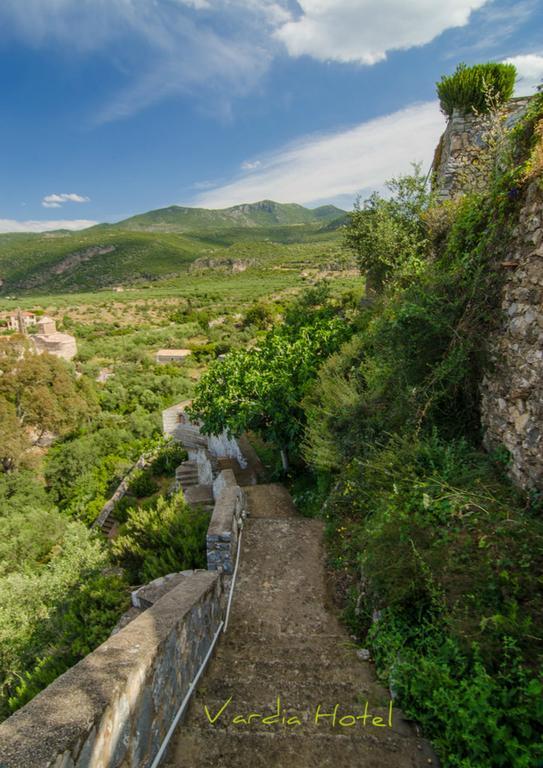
x,y
214,49
364,30
325,167
56,201
529,73
251,166
218,50
12,225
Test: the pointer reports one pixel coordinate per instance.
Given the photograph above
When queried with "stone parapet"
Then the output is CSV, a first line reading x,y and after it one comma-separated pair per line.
x,y
225,524
114,708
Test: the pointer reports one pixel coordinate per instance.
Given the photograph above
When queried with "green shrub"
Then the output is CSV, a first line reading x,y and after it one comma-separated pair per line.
x,y
168,536
85,619
388,235
474,718
478,88
168,460
260,316
142,484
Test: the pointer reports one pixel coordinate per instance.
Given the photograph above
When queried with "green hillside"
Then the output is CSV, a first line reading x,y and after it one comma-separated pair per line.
x,y
265,213
155,245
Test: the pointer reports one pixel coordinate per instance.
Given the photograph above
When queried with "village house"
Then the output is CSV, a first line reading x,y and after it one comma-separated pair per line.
x,y
172,355
20,321
42,332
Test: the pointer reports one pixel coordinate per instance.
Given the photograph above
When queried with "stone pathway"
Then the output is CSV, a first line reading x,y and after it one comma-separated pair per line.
x,y
285,651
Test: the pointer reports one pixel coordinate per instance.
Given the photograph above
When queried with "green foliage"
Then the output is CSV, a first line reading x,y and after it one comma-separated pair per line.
x,y
430,536
169,536
85,619
207,352
474,718
442,548
142,484
475,88
39,601
262,388
169,458
40,391
260,316
388,235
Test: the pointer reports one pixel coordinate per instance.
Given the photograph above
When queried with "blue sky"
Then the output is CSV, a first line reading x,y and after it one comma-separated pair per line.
x,y
114,107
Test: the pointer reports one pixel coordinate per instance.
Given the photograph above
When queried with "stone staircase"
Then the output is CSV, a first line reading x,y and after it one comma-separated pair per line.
x,y
186,474
189,436
285,640
108,525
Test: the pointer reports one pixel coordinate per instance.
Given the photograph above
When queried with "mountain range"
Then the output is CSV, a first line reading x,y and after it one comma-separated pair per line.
x,y
157,244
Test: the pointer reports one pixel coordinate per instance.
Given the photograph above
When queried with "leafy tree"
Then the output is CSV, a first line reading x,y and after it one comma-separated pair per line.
x,y
262,388
35,600
14,443
260,316
45,394
388,235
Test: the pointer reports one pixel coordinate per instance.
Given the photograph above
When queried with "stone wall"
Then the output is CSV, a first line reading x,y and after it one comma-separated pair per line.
x,y
461,144
113,709
512,390
144,461
226,520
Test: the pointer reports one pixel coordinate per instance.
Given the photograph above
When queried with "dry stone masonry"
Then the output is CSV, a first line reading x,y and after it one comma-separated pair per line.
x,y
460,146
512,390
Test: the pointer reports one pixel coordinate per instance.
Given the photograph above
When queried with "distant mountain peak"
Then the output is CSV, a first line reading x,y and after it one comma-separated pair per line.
x,y
263,213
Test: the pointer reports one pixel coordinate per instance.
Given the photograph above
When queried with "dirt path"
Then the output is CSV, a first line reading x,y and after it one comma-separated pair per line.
x,y
285,641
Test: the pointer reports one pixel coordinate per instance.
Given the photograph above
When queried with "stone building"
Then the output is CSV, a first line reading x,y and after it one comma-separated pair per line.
x,y
20,321
172,355
48,339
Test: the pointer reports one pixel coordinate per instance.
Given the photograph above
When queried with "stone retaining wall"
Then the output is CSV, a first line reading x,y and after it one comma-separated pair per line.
x,y
455,159
144,461
512,390
113,709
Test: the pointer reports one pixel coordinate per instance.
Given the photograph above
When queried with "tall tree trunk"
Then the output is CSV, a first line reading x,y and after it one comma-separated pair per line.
x,y
284,459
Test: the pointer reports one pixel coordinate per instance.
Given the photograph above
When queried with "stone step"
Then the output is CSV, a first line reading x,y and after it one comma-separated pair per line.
x,y
294,670
311,748
108,524
187,474
323,648
296,694
186,484
187,467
